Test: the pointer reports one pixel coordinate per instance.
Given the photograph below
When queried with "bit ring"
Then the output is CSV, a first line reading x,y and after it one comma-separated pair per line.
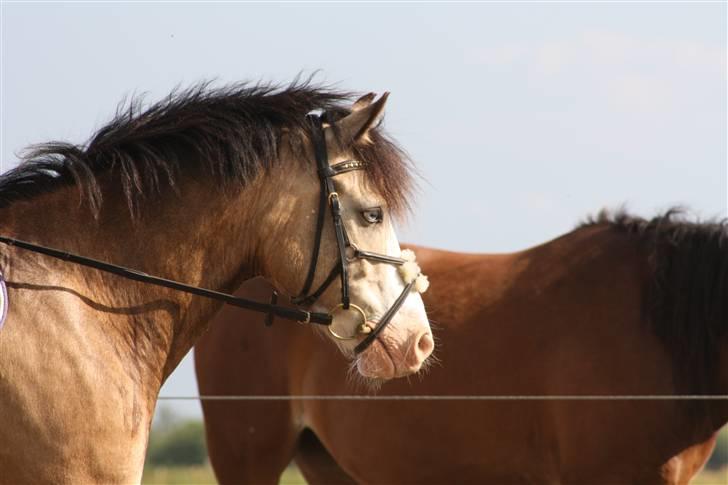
x,y
359,328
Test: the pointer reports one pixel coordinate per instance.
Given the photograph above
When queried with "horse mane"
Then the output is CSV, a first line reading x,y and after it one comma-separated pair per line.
x,y
231,133
687,302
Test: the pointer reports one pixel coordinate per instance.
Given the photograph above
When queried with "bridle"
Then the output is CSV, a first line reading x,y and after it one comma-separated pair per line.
x,y
348,251
329,197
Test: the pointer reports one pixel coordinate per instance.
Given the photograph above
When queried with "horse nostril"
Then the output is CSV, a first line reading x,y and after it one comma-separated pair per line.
x,y
425,345
419,352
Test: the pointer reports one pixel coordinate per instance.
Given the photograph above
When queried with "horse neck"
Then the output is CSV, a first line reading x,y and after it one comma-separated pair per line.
x,y
196,236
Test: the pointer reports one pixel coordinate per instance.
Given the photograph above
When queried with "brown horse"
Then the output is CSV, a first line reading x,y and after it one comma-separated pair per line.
x,y
620,306
209,187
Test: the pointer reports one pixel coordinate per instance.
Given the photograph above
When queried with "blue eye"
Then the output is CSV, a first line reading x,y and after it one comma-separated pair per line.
x,y
373,215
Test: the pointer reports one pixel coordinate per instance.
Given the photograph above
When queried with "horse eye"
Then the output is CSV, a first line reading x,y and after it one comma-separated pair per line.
x,y
373,215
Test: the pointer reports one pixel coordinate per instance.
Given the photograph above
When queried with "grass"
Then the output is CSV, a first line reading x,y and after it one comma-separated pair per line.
x,y
203,475
159,475
712,477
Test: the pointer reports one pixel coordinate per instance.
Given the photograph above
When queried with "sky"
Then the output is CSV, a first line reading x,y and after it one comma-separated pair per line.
x,y
522,119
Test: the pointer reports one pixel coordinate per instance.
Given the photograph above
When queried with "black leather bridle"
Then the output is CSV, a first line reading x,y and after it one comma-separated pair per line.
x,y
328,196
348,252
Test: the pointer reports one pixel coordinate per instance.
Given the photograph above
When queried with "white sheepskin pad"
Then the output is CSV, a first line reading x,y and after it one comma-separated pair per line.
x,y
410,271
422,284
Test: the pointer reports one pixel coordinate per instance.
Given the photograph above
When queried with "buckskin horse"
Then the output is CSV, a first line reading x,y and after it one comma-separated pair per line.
x,y
208,187
619,307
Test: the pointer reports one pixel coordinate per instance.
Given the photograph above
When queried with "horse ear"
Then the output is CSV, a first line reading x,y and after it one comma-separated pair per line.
x,y
363,102
354,129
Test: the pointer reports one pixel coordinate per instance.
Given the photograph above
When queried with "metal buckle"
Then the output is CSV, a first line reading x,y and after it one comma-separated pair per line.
x,y
359,330
307,320
332,195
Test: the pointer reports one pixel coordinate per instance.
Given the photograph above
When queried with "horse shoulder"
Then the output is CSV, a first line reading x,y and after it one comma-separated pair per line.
x,y
55,372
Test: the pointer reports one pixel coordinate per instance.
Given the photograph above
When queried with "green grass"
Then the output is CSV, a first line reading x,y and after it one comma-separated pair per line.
x,y
171,441
202,475
712,477
178,474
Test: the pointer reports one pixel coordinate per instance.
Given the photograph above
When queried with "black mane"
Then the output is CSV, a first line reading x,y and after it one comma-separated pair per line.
x,y
230,133
687,303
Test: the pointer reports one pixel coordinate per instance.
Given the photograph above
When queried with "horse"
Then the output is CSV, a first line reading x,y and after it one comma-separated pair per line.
x,y
210,186
621,306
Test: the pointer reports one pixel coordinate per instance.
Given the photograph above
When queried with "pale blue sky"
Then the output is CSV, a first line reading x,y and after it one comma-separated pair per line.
x,y
522,118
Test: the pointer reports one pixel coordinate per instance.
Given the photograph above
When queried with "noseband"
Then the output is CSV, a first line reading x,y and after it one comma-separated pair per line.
x,y
348,252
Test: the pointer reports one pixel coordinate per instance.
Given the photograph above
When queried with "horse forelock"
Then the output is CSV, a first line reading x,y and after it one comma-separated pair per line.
x,y
230,133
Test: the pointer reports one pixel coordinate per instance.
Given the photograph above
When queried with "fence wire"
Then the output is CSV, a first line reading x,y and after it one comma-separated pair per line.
x,y
356,397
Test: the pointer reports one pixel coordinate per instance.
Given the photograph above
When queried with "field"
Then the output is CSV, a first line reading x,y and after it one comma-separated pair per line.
x,y
199,475
169,439
203,475
715,477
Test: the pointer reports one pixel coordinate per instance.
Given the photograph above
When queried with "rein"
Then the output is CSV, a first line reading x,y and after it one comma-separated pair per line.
x,y
271,309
